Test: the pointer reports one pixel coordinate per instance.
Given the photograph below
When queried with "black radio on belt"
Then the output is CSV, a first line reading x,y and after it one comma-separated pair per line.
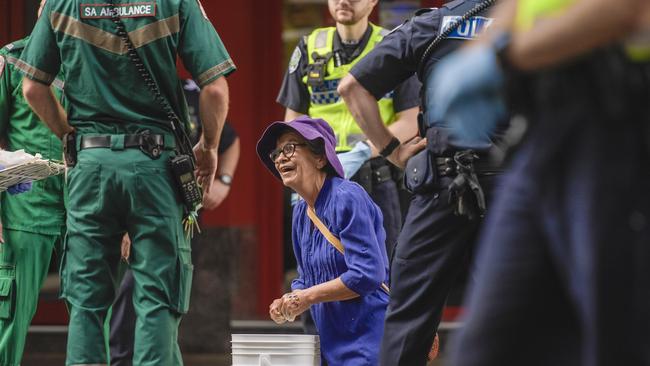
x,y
183,172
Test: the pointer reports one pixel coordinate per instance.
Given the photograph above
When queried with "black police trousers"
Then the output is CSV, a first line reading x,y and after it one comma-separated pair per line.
x,y
122,324
431,249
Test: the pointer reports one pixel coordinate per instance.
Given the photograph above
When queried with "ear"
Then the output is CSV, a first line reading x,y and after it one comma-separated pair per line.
x,y
321,162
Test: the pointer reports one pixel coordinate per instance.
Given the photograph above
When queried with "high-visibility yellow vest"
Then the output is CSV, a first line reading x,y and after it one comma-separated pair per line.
x,y
325,101
529,11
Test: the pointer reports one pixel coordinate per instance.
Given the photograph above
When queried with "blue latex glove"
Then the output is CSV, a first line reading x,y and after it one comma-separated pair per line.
x,y
465,93
354,159
19,188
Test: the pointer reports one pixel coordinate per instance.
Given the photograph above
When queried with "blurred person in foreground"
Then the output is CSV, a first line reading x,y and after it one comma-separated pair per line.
x,y
563,275
343,288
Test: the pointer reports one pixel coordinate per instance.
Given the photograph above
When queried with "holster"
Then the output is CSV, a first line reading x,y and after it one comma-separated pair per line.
x,y
70,149
364,177
465,189
373,172
441,159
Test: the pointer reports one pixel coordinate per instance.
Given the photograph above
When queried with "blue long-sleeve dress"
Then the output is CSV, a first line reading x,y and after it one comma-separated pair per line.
x,y
350,331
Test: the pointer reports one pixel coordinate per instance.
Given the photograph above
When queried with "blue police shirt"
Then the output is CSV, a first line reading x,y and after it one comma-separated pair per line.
x,y
398,56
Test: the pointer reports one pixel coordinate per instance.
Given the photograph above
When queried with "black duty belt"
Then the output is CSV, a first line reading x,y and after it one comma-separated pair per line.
x,y
373,172
130,141
446,166
150,144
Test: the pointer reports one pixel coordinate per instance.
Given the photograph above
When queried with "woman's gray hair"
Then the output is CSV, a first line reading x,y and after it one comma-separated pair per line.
x,y
317,147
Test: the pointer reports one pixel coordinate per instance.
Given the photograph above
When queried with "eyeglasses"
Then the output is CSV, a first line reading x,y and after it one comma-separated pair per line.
x,y
287,150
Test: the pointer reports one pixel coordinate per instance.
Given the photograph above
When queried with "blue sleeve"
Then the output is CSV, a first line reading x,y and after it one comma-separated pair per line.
x,y
397,56
293,92
355,218
297,283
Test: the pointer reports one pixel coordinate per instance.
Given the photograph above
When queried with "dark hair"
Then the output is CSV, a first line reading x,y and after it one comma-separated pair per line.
x,y
317,147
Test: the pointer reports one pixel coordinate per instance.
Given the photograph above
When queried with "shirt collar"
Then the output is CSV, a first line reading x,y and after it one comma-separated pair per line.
x,y
337,46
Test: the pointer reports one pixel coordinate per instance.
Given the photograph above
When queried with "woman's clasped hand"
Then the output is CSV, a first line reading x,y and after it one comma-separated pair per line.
x,y
289,306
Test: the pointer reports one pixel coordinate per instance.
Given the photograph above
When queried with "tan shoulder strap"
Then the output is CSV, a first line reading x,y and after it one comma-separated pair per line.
x,y
331,238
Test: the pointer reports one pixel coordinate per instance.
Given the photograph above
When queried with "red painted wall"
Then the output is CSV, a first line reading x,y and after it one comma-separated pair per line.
x,y
12,21
251,31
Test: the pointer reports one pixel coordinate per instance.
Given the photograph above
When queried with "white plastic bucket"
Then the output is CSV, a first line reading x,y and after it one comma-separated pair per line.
x,y
275,350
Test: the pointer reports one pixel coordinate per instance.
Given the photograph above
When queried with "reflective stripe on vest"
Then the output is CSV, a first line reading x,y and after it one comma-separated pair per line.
x,y
326,103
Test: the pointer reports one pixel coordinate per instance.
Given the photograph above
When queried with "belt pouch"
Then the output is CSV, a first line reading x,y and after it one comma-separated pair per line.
x,y
420,176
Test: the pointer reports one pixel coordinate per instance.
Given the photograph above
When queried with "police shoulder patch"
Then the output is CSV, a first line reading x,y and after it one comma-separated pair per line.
x,y
472,28
3,62
295,60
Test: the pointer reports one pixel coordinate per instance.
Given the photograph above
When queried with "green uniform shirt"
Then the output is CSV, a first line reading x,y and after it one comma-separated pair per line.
x,y
40,210
80,37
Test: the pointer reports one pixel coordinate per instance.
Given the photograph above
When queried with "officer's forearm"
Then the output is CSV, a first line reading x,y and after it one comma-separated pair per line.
x,y
405,126
43,102
229,159
213,109
365,111
586,25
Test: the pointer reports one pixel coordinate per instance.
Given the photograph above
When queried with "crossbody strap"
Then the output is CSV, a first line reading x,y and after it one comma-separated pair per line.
x,y
183,142
333,239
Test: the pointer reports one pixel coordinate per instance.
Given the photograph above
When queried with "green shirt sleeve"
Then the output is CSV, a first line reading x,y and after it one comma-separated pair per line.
x,y
41,60
200,47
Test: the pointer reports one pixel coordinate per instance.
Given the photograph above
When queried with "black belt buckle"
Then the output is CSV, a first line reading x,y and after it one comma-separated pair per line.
x,y
150,146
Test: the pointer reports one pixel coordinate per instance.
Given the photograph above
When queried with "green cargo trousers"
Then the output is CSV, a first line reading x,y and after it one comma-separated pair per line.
x,y
24,261
113,191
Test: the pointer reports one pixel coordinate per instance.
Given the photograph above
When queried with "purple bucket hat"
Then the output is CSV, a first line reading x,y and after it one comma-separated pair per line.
x,y
310,129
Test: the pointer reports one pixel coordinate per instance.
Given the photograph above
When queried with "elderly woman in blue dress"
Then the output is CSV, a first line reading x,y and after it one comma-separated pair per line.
x,y
344,288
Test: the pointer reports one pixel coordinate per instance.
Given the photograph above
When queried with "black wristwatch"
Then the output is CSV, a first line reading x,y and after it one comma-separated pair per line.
x,y
392,145
225,179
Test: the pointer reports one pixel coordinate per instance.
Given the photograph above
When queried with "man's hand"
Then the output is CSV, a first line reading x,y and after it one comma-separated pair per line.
x,y
206,166
217,194
403,152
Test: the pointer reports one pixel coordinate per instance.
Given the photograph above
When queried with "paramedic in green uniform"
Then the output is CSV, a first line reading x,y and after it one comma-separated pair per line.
x,y
32,223
116,187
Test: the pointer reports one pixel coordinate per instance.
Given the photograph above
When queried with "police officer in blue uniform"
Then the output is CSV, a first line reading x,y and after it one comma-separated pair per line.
x,y
444,215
